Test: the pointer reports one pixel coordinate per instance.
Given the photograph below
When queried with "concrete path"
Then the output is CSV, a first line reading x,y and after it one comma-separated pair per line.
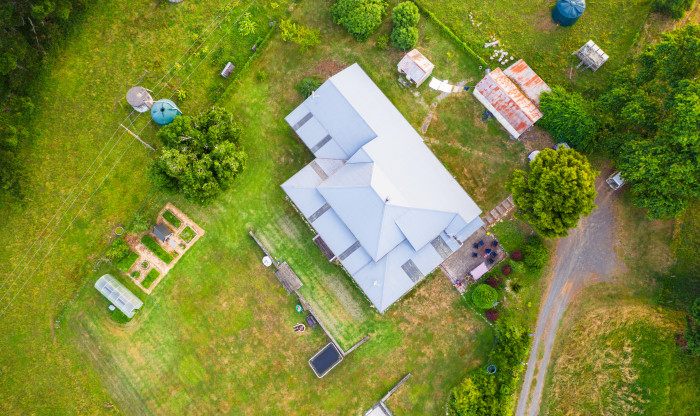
x,y
586,256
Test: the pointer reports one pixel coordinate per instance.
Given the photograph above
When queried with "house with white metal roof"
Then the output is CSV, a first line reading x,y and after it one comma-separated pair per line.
x,y
382,204
118,294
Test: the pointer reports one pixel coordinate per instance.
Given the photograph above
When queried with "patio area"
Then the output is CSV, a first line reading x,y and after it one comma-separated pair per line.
x,y
461,262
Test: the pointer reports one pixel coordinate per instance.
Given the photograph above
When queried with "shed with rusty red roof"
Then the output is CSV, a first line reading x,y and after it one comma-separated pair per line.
x,y
512,96
416,67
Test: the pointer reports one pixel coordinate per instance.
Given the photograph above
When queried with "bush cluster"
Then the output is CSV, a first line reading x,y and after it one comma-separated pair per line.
x,y
302,36
307,86
535,253
672,8
360,17
405,17
484,296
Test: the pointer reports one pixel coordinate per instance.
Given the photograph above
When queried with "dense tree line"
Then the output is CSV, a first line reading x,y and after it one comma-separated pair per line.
x,y
26,32
647,119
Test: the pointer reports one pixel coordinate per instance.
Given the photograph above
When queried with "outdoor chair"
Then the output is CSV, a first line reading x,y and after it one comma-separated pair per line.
x,y
494,254
474,254
476,245
488,251
490,261
481,243
495,243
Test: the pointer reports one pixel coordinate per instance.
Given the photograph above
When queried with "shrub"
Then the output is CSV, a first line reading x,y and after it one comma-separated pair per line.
x,y
516,287
493,281
128,261
536,253
156,249
246,26
568,117
359,17
307,86
383,42
172,219
302,36
517,255
484,296
118,250
506,269
405,17
404,37
672,8
491,315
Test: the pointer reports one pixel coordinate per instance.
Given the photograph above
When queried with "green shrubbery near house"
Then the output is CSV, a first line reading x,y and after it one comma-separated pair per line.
x,y
484,296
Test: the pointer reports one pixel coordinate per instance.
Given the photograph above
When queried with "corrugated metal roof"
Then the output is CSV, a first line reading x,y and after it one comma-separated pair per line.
x,y
416,66
507,102
392,195
529,82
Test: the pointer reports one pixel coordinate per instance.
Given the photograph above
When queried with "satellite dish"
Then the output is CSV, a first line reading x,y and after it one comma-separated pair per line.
x,y
267,261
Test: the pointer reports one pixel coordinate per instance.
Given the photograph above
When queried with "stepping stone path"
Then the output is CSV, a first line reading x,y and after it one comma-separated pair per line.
x,y
459,87
501,210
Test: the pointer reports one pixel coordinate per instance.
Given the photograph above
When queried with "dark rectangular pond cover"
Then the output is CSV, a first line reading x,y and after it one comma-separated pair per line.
x,y
325,360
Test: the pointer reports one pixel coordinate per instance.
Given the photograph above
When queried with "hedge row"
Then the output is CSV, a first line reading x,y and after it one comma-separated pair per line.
x,y
450,34
156,249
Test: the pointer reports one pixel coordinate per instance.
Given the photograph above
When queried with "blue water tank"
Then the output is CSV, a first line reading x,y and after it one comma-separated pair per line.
x,y
164,111
567,12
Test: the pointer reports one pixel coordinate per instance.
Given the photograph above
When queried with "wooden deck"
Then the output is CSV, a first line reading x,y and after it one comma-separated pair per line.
x,y
290,281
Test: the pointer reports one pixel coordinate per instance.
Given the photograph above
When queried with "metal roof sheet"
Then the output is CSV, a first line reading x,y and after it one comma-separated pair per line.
x,y
527,80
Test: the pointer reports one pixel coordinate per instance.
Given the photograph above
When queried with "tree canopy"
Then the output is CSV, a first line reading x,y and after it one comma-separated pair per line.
x,y
201,155
405,17
556,191
484,296
568,117
651,123
360,17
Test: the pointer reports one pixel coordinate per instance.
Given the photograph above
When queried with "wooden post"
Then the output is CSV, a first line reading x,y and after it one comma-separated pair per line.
x,y
138,138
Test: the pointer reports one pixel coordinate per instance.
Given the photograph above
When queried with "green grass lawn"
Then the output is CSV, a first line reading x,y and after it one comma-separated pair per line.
x,y
526,30
172,219
150,278
155,248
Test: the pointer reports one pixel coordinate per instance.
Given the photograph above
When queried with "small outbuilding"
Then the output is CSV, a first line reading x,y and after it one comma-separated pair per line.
x,y
512,96
139,98
566,12
591,56
164,111
416,67
118,294
162,232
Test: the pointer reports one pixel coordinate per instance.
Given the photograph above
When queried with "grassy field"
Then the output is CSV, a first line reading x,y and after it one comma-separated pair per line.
x,y
618,355
79,100
634,366
526,30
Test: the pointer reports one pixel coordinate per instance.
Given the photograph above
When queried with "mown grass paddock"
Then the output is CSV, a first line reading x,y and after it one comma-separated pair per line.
x,y
526,30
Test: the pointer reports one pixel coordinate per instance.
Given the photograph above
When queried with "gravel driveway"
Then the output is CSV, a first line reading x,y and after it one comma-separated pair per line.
x,y
585,257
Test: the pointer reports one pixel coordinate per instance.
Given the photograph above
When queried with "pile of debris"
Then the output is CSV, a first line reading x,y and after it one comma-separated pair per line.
x,y
500,55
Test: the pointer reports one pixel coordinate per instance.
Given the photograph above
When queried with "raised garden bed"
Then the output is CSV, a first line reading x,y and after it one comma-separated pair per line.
x,y
128,261
188,234
150,278
156,249
172,219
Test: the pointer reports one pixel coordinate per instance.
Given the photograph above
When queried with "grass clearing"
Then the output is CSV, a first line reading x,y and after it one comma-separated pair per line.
x,y
150,278
172,219
526,30
128,261
617,355
155,248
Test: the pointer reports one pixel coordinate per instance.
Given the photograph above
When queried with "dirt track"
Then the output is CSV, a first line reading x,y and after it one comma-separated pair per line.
x,y
586,256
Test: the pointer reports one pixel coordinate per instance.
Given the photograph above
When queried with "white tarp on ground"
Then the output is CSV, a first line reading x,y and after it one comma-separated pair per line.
x,y
479,271
438,85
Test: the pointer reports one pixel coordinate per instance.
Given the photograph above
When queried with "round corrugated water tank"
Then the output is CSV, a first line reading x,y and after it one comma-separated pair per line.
x,y
164,112
567,12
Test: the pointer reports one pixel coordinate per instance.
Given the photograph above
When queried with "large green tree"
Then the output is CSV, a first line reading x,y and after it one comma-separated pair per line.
x,y
405,17
201,155
650,123
557,190
360,17
569,118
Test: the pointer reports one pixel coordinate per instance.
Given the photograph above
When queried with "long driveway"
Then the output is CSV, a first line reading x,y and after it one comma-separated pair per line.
x,y
584,257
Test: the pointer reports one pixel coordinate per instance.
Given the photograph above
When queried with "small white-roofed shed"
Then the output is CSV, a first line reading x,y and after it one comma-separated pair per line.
x,y
118,294
416,67
591,56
